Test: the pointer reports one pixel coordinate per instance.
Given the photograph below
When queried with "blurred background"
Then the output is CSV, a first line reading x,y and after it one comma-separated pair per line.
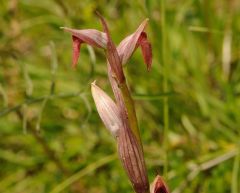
x,y
51,137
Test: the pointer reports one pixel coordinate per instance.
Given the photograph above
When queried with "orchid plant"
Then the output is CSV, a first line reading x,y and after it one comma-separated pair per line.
x,y
119,116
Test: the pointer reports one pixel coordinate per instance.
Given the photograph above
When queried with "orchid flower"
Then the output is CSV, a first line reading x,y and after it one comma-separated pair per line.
x,y
125,49
158,185
119,117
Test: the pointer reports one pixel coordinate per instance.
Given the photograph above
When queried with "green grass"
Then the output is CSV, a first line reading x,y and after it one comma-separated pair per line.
x,y
187,106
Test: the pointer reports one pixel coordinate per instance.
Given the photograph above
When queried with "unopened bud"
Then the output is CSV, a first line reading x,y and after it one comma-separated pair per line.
x,y
107,110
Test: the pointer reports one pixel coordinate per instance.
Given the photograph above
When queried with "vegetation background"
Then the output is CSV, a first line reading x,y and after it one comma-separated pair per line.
x,y
51,137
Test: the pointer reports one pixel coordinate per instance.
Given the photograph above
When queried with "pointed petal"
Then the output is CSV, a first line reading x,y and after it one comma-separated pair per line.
x,y
90,36
112,54
130,43
159,186
107,110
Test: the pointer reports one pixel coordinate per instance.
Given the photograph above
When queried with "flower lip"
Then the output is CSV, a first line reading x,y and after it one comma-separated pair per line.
x,y
76,44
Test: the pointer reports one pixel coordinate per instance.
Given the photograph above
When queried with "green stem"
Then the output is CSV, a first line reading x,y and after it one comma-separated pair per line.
x,y
165,88
129,104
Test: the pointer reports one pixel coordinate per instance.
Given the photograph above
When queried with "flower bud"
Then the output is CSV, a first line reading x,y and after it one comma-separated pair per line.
x,y
107,110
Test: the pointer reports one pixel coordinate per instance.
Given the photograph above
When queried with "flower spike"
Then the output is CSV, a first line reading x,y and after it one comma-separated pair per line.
x,y
120,117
